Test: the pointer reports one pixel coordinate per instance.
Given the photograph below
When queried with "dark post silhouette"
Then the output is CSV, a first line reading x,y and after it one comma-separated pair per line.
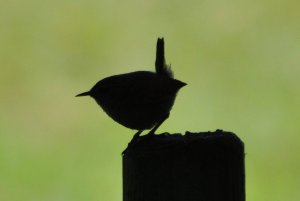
x,y
192,167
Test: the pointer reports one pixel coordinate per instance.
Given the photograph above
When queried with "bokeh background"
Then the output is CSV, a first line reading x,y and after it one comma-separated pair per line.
x,y
240,59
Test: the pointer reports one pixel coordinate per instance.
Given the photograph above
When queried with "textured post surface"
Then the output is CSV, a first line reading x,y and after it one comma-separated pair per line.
x,y
192,167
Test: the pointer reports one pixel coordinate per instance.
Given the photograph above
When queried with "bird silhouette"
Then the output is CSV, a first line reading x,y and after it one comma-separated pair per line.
x,y
139,100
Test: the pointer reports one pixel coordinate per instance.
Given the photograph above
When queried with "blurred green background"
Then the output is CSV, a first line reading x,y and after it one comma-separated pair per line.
x,y
240,59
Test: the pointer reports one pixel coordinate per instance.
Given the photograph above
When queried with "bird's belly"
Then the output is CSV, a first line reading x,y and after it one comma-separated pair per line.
x,y
138,114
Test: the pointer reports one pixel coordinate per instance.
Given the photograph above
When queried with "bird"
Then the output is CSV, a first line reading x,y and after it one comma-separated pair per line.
x,y
139,100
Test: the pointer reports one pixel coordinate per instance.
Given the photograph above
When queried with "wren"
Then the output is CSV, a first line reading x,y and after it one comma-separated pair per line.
x,y
139,100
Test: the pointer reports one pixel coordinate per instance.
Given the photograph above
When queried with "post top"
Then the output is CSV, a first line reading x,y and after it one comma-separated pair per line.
x,y
171,142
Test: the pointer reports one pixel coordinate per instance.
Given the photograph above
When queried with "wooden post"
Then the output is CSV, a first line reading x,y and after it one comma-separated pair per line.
x,y
192,167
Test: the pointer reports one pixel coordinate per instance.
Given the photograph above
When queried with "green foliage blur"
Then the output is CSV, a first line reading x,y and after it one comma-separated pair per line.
x,y
240,59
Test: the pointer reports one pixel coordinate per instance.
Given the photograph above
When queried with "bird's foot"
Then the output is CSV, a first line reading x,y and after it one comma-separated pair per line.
x,y
151,133
137,135
135,138
133,141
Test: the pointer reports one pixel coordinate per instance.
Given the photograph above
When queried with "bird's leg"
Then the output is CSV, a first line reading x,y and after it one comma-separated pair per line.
x,y
133,141
152,132
137,135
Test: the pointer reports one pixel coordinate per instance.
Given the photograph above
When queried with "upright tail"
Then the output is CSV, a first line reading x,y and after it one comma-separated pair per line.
x,y
160,63
83,94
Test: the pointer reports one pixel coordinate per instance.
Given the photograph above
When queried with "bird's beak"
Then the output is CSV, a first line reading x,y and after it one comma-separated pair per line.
x,y
83,94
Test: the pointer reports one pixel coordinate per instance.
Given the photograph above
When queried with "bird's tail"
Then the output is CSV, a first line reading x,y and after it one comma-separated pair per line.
x,y
160,63
83,94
